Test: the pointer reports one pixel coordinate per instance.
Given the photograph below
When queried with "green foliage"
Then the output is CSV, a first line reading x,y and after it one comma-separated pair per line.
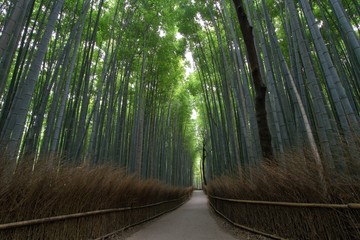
x,y
131,59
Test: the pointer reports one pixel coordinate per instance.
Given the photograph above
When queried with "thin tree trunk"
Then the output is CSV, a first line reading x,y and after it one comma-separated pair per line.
x,y
260,88
140,121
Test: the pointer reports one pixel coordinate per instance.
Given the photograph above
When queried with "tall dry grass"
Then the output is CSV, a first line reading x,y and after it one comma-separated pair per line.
x,y
45,192
296,180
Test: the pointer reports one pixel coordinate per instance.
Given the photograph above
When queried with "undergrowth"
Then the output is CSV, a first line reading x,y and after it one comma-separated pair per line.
x,y
296,181
46,192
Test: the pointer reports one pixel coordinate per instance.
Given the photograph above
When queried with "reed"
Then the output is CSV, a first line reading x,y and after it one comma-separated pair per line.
x,y
295,181
45,192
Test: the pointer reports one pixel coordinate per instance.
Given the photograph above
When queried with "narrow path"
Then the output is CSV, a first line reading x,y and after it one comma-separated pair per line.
x,y
190,221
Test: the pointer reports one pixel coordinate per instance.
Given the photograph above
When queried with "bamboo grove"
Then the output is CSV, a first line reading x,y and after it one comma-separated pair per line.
x,y
90,82
309,55
103,82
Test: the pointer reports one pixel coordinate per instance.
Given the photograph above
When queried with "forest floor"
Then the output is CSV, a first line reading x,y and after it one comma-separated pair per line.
x,y
193,220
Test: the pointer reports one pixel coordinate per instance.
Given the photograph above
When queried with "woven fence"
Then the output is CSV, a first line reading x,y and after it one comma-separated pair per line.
x,y
98,224
284,220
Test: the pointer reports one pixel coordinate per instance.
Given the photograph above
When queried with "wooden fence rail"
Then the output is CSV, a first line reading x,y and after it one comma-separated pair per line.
x,y
77,215
138,223
291,220
292,204
97,224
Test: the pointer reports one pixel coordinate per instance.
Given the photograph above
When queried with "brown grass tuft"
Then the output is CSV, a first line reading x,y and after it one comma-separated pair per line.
x,y
295,181
46,192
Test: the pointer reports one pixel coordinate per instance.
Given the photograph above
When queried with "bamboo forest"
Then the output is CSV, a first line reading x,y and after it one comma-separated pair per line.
x,y
133,104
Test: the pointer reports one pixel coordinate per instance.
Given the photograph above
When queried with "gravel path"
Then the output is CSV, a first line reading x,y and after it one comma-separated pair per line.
x,y
190,221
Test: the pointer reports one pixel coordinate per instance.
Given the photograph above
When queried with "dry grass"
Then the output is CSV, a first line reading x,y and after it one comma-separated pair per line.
x,y
295,181
45,192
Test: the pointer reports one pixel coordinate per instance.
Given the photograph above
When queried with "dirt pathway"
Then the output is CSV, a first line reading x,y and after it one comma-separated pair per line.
x,y
190,221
